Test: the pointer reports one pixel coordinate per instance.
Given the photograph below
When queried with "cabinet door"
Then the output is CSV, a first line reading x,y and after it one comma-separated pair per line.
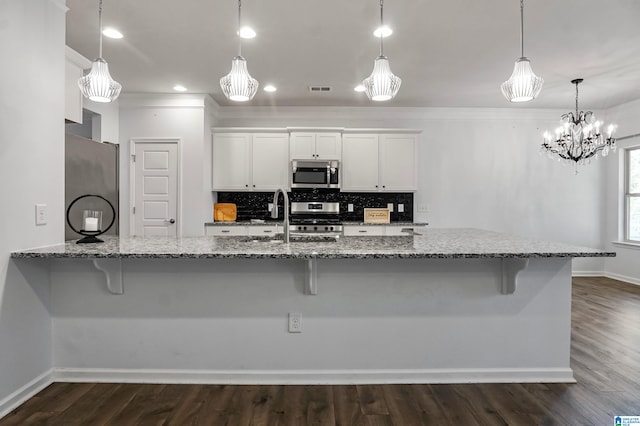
x,y
270,161
398,162
73,95
262,230
359,162
231,161
223,230
303,146
363,231
328,146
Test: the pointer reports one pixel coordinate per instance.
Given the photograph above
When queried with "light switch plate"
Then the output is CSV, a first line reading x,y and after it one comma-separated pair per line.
x,y
350,207
400,208
41,214
390,206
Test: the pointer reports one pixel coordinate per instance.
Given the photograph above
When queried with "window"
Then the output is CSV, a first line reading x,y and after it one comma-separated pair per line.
x,y
632,195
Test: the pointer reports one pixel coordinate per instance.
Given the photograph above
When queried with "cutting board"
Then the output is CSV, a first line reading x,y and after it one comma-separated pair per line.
x,y
377,216
224,212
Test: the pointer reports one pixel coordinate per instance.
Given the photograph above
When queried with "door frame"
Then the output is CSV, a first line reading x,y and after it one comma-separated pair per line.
x,y
133,143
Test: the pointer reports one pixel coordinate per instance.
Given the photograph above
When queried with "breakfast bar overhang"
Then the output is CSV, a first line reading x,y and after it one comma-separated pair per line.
x,y
448,306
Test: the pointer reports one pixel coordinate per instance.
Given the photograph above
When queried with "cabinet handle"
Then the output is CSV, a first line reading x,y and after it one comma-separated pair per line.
x,y
246,186
254,186
376,186
362,230
384,186
267,231
225,231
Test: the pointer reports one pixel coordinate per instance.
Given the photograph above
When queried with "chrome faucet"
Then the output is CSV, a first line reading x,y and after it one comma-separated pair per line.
x,y
274,212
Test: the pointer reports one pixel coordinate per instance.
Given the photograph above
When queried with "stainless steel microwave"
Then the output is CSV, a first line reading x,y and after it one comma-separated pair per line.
x,y
315,174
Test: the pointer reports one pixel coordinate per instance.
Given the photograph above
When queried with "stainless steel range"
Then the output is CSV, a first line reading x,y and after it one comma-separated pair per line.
x,y
316,218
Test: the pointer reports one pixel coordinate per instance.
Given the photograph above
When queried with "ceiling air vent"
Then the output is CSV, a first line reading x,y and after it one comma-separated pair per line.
x,y
319,89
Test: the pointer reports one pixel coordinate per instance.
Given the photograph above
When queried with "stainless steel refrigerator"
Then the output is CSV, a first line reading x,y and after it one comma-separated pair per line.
x,y
91,168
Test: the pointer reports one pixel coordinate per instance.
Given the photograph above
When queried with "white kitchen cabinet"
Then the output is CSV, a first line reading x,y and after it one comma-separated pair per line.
x,y
315,146
262,230
270,161
231,168
240,230
379,230
360,162
363,231
379,162
250,161
73,100
225,230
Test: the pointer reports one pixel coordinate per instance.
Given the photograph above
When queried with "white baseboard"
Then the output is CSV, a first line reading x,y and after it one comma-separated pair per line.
x,y
14,400
329,377
630,280
587,273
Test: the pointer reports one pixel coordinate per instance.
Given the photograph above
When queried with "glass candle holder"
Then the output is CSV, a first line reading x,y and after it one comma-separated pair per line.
x,y
92,220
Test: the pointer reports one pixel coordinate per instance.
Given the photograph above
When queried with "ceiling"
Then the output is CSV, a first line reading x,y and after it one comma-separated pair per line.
x,y
449,53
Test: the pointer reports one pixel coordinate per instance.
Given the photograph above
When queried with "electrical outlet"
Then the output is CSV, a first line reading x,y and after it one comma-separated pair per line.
x,y
295,322
422,208
270,207
41,214
350,207
390,206
400,208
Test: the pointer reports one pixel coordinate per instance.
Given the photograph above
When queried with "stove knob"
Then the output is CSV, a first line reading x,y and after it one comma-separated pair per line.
x,y
326,228
304,227
331,228
315,228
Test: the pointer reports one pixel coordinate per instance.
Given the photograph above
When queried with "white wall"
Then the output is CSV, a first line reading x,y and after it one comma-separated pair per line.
x,y
478,168
170,116
625,265
31,171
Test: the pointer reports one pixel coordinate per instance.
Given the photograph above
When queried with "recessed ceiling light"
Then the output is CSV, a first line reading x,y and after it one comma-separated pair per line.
x,y
270,88
247,32
384,30
359,88
112,33
179,88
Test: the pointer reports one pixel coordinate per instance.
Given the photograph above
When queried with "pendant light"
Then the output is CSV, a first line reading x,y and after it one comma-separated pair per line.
x,y
523,85
381,85
238,85
98,85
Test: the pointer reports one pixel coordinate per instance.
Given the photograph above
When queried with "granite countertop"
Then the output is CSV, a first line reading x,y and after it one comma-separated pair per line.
x,y
433,243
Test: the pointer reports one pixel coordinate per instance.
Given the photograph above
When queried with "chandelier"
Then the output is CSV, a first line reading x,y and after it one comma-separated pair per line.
x,y
523,85
579,138
238,85
381,85
98,85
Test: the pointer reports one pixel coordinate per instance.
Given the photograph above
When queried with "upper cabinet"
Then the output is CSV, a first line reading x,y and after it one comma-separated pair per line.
x,y
315,146
250,161
379,162
74,70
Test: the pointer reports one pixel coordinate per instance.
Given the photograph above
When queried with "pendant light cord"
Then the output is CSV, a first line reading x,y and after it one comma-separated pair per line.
x,y
522,28
100,28
577,82
239,23
381,24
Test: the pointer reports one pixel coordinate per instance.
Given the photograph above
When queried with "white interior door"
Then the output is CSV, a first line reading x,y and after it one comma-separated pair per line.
x,y
155,188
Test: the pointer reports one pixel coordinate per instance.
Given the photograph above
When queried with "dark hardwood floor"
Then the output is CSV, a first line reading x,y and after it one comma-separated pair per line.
x,y
605,358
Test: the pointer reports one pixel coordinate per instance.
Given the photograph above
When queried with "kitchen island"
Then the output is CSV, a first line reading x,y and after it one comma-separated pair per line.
x,y
451,305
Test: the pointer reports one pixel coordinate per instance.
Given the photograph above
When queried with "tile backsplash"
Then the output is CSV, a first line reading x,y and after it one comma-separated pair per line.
x,y
254,205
